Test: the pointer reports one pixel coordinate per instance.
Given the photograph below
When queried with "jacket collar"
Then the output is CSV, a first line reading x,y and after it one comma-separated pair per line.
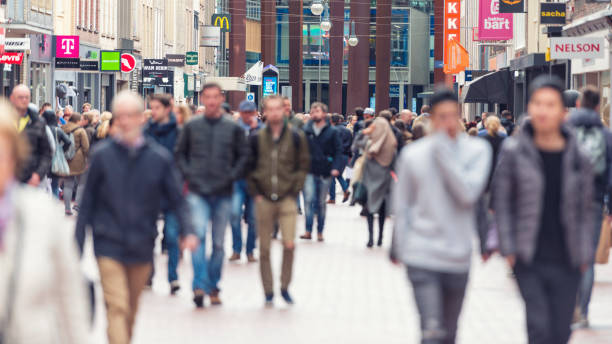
x,y
310,126
159,129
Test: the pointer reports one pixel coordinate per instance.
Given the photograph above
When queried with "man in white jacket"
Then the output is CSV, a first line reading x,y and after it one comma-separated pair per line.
x,y
441,178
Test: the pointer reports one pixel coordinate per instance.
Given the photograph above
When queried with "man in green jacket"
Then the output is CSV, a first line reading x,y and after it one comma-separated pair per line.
x,y
281,161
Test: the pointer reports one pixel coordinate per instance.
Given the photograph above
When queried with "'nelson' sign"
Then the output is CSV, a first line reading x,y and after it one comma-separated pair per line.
x,y
577,47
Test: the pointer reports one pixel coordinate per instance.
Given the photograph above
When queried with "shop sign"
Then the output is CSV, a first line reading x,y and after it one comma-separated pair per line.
x,y
511,6
11,58
110,61
452,21
67,47
552,13
175,60
128,63
577,47
89,65
191,58
67,63
155,72
223,21
492,25
2,39
210,37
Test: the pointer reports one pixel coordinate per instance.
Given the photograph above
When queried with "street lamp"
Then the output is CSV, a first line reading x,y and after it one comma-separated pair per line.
x,y
326,23
353,40
317,7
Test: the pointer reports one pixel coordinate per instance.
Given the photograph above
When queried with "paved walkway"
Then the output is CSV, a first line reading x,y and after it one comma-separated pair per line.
x,y
344,293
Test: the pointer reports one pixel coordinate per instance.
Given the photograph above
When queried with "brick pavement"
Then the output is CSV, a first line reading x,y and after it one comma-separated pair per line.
x,y
344,293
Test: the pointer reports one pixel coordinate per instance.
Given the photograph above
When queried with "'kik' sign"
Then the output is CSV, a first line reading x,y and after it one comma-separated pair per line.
x,y
452,24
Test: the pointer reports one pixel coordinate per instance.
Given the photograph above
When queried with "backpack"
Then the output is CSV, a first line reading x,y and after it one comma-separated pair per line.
x,y
592,140
71,152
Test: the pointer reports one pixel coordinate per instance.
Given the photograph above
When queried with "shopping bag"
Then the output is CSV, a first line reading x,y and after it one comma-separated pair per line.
x,y
603,249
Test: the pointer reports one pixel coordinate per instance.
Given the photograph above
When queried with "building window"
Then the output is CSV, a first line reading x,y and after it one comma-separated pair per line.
x,y
253,10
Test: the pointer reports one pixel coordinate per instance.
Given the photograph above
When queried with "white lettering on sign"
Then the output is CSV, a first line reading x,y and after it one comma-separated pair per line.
x,y
577,47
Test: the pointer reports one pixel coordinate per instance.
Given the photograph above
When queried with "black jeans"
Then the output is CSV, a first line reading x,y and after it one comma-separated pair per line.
x,y
549,291
439,298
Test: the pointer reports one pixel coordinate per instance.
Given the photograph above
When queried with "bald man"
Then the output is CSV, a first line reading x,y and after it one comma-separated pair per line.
x,y
33,129
407,116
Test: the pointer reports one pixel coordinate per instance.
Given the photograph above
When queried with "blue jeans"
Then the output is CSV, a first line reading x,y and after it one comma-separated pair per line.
x,y
585,288
171,236
332,186
315,193
239,199
55,186
205,209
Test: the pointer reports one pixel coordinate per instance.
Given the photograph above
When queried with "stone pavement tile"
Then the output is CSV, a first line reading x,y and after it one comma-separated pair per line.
x,y
345,293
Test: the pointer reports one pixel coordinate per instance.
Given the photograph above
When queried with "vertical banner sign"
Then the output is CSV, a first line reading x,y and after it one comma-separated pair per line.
x,y
512,6
452,24
458,58
2,39
492,25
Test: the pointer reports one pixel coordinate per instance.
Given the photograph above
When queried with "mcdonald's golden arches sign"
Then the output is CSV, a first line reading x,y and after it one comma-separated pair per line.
x,y
223,21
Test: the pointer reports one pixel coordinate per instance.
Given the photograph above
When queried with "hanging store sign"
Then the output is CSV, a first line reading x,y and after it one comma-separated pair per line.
x,y
458,58
577,47
223,21
11,58
452,21
67,46
210,36
110,61
89,65
155,72
511,6
492,25
67,63
191,58
128,63
175,60
552,13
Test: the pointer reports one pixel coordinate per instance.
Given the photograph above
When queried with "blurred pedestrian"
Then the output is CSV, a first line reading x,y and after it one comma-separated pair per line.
x,y
326,162
596,141
77,162
31,127
163,129
62,141
183,114
495,140
441,177
212,154
407,117
280,163
543,202
104,127
128,179
39,265
86,108
507,122
242,203
87,123
346,138
380,155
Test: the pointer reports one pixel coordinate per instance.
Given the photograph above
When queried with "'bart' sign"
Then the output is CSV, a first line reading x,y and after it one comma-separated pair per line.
x,y
223,21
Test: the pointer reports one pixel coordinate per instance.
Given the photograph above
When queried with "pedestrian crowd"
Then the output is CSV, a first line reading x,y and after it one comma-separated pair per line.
x,y
534,191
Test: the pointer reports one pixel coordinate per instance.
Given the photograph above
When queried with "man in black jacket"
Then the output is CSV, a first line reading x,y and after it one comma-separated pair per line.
x,y
33,128
326,162
346,137
212,154
128,179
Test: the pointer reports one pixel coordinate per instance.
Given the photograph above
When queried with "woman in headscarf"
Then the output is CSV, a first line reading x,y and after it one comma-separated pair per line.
x,y
380,155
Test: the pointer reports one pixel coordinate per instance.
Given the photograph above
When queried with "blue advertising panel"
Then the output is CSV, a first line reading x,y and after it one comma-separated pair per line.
x,y
270,85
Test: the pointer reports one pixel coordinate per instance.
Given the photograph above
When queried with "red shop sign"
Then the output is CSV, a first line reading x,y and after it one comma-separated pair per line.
x,y
11,58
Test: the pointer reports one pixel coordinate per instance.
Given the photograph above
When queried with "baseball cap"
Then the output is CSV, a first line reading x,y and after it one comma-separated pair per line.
x,y
247,106
368,111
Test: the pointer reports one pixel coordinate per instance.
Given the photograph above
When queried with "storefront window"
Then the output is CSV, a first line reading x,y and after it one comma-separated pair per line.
x,y
39,73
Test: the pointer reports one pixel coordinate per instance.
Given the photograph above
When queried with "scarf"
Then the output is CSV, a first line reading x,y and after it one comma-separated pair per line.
x,y
382,144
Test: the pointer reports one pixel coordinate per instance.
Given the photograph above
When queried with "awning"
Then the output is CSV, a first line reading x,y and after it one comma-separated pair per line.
x,y
490,88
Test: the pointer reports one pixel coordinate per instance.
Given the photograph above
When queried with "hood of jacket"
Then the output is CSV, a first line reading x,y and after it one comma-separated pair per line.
x,y
161,129
585,118
69,127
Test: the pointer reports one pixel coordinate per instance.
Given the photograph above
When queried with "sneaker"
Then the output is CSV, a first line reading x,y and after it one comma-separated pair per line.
x,y
251,258
286,297
235,257
306,236
214,297
174,287
75,207
346,197
198,298
68,213
270,300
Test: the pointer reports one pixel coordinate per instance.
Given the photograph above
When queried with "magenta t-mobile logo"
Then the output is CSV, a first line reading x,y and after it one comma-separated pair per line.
x,y
67,46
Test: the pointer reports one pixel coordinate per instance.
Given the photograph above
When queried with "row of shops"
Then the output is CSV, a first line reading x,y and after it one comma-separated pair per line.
x,y
36,63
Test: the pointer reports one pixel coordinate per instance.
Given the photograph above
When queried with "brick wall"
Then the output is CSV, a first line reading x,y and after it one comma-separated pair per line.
x,y
583,8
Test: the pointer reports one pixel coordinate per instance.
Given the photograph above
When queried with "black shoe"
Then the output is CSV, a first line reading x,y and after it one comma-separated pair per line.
x,y
380,242
370,243
270,300
286,297
174,287
198,298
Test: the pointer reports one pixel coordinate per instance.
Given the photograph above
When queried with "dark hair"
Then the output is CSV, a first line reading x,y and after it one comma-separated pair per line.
x,y
45,105
164,98
507,114
589,97
399,124
75,118
359,111
477,118
425,109
546,81
319,105
50,118
570,98
337,118
386,114
418,131
441,95
393,111
210,85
